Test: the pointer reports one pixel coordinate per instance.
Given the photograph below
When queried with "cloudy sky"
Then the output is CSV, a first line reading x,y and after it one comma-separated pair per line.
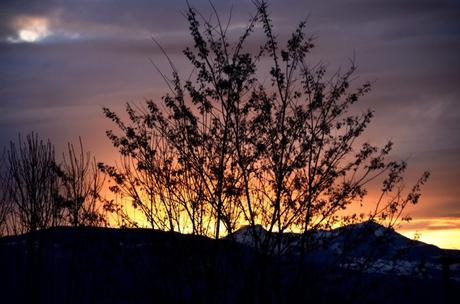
x,y
61,61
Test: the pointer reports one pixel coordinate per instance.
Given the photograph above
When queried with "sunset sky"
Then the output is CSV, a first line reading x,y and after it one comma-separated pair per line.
x,y
62,61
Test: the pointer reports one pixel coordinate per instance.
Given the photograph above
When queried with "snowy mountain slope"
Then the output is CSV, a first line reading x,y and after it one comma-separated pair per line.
x,y
367,247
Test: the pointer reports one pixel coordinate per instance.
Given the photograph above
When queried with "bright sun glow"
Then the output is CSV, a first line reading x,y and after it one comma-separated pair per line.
x,y
31,29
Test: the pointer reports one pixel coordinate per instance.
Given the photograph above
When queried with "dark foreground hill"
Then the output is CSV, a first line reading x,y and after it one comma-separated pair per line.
x,y
97,265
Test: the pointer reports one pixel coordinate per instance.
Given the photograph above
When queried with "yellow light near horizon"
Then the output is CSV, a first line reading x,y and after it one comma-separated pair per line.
x,y
446,239
442,232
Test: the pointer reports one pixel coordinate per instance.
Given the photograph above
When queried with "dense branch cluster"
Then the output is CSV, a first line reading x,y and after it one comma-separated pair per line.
x,y
224,149
233,144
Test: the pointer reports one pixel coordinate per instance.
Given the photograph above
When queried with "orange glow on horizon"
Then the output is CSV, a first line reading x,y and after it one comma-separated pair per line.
x,y
442,232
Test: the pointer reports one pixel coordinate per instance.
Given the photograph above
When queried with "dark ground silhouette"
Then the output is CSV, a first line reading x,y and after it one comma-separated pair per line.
x,y
100,265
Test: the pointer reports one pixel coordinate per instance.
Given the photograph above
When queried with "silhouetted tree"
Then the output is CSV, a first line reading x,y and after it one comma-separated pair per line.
x,y
280,153
81,184
309,167
149,175
140,173
5,205
33,184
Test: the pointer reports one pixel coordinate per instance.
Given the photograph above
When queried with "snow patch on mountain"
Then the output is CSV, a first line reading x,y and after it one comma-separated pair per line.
x,y
366,246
